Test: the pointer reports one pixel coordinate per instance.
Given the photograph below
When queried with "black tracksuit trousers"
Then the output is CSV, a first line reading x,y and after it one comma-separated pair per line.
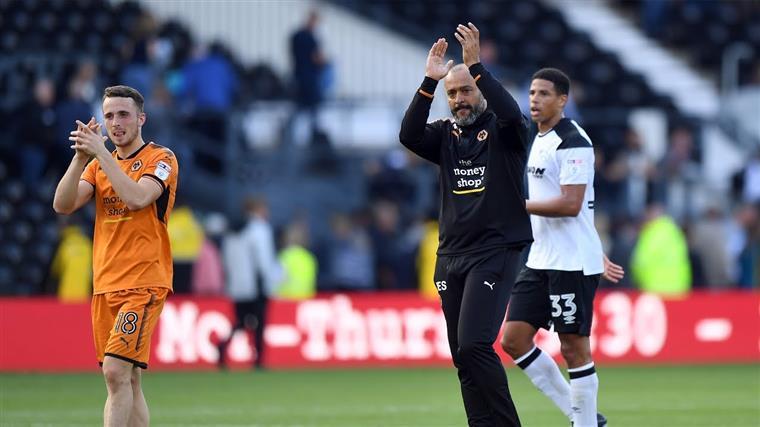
x,y
474,290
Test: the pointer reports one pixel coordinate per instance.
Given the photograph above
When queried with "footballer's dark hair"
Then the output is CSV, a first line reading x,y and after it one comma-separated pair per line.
x,y
561,80
122,91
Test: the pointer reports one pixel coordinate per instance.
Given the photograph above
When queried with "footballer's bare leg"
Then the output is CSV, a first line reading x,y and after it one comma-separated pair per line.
x,y
140,416
118,376
576,350
517,339
584,383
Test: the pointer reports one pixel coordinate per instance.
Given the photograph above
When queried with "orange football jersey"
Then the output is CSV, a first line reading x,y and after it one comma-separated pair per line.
x,y
131,248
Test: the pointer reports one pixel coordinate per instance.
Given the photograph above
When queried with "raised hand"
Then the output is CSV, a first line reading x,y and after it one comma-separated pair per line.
x,y
435,67
87,139
612,271
469,37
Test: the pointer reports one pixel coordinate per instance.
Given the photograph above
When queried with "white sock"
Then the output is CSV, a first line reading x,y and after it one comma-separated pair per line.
x,y
546,376
584,385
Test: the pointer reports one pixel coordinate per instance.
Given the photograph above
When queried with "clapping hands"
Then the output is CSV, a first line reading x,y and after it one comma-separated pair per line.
x,y
436,68
87,139
469,38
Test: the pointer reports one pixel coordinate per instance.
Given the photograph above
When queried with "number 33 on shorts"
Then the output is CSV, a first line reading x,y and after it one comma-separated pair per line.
x,y
568,311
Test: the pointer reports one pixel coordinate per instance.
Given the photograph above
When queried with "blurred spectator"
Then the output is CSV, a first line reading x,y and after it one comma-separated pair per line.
x,y
746,183
608,182
209,86
660,260
35,130
698,278
86,82
678,175
253,274
309,66
744,243
424,177
298,263
708,239
630,173
350,260
624,235
138,71
162,115
264,83
394,263
76,106
186,237
72,263
489,56
389,179
208,271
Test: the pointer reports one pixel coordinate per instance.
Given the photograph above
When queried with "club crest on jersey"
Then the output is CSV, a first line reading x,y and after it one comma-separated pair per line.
x,y
482,135
136,165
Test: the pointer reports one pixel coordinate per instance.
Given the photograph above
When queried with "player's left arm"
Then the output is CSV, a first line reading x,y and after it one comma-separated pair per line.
x,y
499,99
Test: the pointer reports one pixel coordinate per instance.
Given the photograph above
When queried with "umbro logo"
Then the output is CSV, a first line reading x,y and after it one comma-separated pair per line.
x,y
490,285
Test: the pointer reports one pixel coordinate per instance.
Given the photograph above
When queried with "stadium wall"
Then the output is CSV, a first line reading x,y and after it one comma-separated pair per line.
x,y
382,329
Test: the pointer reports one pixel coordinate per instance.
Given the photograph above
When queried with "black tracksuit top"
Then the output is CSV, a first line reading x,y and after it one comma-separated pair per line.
x,y
482,168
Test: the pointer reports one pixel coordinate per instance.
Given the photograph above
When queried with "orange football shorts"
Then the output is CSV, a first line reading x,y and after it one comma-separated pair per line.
x,y
123,323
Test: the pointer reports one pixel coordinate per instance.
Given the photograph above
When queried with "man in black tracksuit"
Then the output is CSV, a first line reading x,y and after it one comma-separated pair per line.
x,y
481,152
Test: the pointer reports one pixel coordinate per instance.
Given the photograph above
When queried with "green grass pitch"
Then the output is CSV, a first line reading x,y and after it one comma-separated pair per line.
x,y
642,396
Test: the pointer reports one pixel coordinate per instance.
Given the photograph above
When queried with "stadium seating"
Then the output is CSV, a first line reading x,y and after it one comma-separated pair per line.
x,y
29,234
523,46
701,28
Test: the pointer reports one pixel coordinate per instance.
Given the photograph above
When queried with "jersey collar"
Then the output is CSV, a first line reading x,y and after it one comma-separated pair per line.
x,y
132,156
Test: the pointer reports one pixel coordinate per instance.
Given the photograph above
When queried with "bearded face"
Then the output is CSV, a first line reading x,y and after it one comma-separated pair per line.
x,y
465,114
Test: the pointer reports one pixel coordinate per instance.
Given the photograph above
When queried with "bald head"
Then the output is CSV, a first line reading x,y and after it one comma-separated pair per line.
x,y
459,71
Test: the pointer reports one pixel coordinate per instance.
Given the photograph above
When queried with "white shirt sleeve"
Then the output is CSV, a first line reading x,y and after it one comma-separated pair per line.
x,y
265,256
575,165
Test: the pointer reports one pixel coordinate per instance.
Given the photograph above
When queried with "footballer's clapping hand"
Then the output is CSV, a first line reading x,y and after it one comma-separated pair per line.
x,y
87,139
612,271
435,67
92,124
469,37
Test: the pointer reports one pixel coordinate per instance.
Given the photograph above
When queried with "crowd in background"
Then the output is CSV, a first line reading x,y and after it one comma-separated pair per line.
x,y
645,215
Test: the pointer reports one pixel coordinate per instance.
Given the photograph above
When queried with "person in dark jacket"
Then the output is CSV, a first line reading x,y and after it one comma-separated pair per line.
x,y
481,152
